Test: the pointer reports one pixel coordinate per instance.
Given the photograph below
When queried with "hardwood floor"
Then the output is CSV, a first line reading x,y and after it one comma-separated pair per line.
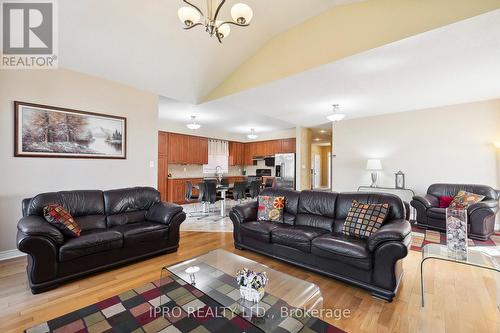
x,y
458,298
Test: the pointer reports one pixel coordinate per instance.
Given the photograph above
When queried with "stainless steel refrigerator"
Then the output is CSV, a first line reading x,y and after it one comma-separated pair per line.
x,y
285,170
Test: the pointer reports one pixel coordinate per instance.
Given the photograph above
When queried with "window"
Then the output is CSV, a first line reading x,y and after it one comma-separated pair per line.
x,y
218,156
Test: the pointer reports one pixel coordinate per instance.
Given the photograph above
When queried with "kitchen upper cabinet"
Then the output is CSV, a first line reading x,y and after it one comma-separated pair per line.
x,y
288,145
187,149
236,153
162,144
177,148
203,150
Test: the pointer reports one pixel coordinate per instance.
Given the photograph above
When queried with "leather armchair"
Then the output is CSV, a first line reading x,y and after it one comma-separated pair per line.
x,y
310,236
118,226
481,216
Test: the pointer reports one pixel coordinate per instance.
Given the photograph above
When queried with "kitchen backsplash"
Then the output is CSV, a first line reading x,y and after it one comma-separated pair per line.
x,y
196,171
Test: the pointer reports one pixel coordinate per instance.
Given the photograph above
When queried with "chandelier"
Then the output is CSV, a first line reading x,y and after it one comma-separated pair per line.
x,y
191,15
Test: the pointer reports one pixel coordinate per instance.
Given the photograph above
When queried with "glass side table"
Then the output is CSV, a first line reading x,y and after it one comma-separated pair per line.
x,y
486,257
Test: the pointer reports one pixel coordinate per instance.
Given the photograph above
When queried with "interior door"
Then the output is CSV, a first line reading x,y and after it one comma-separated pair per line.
x,y
317,171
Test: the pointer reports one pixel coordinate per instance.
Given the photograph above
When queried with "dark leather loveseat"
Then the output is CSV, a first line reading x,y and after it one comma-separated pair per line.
x,y
118,226
481,216
311,237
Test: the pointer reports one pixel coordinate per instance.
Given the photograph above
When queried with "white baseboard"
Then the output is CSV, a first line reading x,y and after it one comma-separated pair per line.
x,y
9,254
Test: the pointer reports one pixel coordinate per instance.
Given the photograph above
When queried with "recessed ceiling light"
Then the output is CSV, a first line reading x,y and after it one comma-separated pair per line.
x,y
193,125
252,135
317,139
322,131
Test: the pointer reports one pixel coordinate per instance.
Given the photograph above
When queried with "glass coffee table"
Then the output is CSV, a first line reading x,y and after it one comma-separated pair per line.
x,y
214,275
485,257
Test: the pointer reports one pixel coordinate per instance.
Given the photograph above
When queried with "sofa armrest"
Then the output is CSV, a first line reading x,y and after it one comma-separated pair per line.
x,y
163,212
427,200
37,226
491,205
395,230
245,212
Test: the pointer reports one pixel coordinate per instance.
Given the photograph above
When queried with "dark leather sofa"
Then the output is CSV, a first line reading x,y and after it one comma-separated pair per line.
x,y
118,226
311,237
481,216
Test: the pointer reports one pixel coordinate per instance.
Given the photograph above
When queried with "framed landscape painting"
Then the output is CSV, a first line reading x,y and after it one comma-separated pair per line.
x,y
48,131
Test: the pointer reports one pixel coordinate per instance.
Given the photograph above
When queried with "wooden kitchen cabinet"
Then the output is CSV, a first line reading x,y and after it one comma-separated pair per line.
x,y
267,148
288,145
177,189
187,149
177,148
236,153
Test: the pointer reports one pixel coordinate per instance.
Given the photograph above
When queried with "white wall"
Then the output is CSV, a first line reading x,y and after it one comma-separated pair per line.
x,y
25,177
449,144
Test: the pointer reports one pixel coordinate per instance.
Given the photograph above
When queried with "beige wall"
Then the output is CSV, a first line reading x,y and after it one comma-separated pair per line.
x,y
448,144
325,150
25,177
304,140
344,31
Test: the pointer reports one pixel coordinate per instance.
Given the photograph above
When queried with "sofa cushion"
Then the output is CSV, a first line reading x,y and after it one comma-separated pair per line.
x,y
90,242
121,205
464,199
298,237
89,222
291,199
259,230
270,208
77,203
344,202
142,232
364,219
343,248
60,218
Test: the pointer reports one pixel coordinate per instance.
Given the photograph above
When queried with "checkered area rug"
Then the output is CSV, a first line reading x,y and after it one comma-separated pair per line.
x,y
134,311
421,236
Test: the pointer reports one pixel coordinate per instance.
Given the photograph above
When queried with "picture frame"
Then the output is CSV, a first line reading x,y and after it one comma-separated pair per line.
x,y
399,180
50,131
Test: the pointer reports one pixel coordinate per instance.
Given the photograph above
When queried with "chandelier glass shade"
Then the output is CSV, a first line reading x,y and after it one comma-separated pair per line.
x,y
336,115
193,125
192,16
252,135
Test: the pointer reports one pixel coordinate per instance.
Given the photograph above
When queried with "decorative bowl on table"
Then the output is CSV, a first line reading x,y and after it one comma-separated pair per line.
x,y
252,284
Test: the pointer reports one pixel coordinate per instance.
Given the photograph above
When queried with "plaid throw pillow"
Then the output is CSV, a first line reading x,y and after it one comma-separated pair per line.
x,y
62,220
270,208
464,199
364,219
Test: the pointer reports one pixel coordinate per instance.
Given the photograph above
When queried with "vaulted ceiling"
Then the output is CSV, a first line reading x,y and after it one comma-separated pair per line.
x,y
142,43
295,60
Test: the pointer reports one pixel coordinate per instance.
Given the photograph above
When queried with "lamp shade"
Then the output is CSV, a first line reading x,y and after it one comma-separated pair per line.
x,y
373,164
241,13
188,15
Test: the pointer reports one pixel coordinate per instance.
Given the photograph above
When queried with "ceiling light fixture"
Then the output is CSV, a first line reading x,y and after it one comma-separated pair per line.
x,y
317,139
193,125
241,13
322,131
336,116
252,135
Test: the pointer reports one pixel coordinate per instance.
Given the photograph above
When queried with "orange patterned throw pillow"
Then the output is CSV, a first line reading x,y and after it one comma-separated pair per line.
x,y
62,220
270,208
464,199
